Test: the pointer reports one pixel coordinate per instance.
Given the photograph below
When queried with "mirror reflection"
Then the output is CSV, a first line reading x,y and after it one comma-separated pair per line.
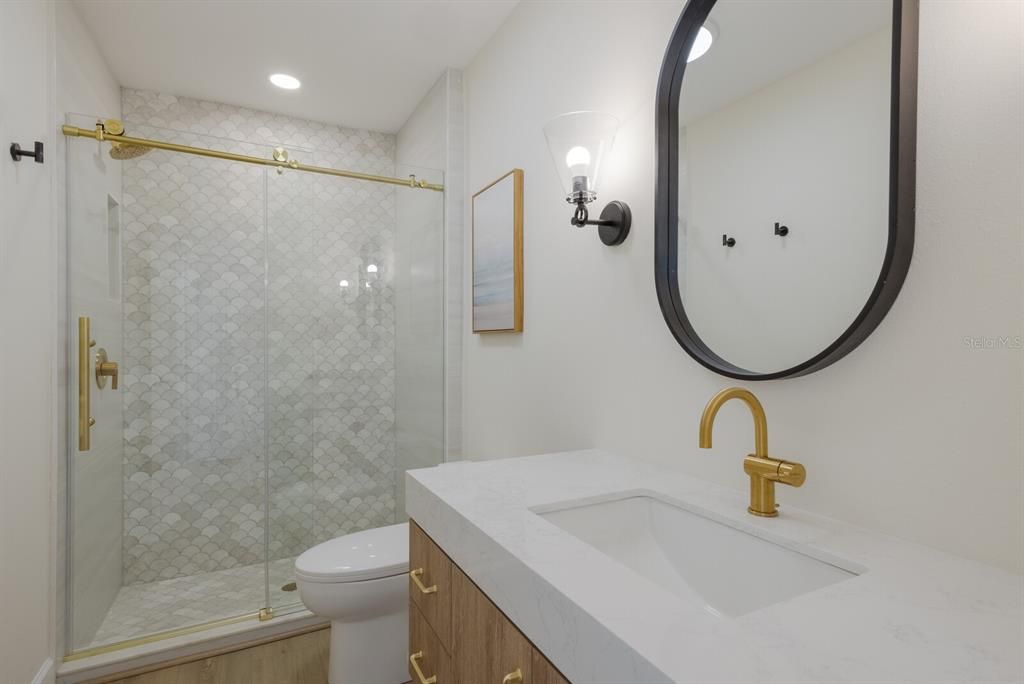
x,y
784,136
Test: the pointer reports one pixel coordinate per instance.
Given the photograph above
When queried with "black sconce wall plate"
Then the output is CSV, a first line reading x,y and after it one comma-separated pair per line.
x,y
616,218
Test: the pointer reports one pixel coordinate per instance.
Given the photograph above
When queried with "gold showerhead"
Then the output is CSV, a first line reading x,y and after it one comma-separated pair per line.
x,y
127,151
119,150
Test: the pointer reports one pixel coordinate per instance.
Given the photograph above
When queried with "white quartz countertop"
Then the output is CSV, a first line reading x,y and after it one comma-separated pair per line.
x,y
913,615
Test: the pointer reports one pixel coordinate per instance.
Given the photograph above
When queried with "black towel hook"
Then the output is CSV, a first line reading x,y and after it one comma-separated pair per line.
x,y
17,153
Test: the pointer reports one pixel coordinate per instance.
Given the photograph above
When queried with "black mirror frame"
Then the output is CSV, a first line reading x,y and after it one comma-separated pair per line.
x,y
902,180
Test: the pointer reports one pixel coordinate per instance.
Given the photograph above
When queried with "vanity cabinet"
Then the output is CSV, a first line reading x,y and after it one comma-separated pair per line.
x,y
456,634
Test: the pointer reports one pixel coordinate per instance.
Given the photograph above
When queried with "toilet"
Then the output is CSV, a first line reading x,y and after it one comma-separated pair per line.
x,y
360,581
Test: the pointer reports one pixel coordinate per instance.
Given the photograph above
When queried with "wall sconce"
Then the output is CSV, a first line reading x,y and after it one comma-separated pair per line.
x,y
578,142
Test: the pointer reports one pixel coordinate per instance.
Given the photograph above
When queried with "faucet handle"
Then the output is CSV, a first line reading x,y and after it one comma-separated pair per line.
x,y
792,474
775,470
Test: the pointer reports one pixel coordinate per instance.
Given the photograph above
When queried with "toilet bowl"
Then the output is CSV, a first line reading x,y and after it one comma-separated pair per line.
x,y
360,582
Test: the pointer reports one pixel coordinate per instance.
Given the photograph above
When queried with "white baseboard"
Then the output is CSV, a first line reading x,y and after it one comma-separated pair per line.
x,y
45,674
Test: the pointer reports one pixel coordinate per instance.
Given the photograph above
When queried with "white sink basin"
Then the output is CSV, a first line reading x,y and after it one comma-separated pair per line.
x,y
694,556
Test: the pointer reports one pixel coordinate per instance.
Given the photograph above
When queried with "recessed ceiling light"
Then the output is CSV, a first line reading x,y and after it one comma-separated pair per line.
x,y
285,81
701,44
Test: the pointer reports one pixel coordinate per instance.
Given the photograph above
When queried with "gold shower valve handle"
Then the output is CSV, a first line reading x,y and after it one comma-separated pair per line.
x,y
105,369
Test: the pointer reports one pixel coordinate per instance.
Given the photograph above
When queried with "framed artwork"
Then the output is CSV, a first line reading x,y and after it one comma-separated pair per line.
x,y
498,255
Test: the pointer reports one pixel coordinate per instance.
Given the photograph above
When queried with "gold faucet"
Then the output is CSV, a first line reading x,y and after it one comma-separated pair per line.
x,y
763,470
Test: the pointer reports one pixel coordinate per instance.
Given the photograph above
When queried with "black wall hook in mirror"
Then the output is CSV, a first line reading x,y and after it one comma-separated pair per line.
x,y
781,230
17,153
728,241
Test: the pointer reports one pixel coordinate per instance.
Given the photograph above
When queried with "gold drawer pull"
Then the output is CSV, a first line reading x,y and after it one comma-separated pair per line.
x,y
424,589
515,677
414,660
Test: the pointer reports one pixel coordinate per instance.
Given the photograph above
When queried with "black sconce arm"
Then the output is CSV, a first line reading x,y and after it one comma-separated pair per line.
x,y
613,224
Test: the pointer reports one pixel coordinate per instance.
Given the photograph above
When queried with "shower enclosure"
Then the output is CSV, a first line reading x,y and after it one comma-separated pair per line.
x,y
278,341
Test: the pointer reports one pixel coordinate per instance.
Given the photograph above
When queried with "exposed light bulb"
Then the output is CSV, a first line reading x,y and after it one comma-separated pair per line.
x,y
372,268
577,156
343,283
701,44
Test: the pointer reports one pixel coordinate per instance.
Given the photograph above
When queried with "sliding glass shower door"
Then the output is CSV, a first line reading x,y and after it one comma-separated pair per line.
x,y
279,351
355,355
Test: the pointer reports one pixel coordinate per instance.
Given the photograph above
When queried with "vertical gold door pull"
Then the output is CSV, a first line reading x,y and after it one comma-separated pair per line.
x,y
85,420
105,368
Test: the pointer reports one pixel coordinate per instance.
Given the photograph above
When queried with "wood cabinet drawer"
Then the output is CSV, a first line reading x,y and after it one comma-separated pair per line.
x,y
426,653
489,648
430,582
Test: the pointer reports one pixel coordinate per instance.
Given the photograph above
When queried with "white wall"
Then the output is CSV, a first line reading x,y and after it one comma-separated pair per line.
x,y
55,69
85,86
821,167
28,306
916,433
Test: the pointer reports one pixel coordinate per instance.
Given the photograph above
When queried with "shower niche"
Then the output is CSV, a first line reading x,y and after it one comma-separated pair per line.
x,y
270,394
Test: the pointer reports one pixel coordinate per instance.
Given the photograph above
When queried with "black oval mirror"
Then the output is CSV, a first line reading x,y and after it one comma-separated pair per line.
x,y
786,134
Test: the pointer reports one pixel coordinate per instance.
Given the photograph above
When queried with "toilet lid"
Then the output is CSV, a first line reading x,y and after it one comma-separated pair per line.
x,y
370,554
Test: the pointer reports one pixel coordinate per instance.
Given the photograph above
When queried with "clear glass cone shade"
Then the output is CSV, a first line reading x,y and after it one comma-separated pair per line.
x,y
578,142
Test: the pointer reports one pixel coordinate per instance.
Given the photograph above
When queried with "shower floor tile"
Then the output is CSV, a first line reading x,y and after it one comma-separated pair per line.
x,y
141,609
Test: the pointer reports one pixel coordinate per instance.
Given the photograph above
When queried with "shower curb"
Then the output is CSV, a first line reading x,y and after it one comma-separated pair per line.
x,y
157,655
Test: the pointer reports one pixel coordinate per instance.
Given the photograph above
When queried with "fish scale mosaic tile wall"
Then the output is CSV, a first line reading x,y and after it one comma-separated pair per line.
x,y
244,355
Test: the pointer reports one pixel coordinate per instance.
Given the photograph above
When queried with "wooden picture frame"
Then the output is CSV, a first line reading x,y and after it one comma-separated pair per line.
x,y
497,255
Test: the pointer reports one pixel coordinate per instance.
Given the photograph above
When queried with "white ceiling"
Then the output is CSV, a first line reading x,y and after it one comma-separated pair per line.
x,y
362,63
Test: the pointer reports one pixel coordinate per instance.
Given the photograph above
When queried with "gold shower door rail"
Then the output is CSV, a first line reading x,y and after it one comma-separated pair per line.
x,y
279,161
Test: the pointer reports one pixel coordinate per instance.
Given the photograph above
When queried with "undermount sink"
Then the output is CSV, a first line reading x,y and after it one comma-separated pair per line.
x,y
691,555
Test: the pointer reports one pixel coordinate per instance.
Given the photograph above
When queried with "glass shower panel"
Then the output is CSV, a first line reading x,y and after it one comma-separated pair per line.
x,y
186,481
420,333
347,276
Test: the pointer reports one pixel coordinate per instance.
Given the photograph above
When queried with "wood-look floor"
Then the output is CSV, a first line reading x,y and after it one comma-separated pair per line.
x,y
300,659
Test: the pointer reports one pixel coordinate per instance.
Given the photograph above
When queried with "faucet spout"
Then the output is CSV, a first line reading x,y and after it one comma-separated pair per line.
x,y
707,419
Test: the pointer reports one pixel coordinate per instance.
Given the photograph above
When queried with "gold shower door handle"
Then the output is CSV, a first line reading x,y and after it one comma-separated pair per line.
x,y
85,421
